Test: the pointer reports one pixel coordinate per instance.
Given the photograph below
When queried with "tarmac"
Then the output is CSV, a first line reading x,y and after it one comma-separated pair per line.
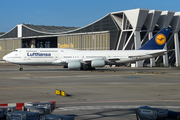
x,y
102,94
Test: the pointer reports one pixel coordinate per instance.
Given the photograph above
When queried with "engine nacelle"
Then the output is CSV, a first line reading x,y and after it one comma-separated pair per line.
x,y
97,63
74,65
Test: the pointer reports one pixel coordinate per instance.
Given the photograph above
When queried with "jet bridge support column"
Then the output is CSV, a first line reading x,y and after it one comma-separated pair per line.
x,y
163,22
152,60
165,57
150,23
137,43
175,24
177,54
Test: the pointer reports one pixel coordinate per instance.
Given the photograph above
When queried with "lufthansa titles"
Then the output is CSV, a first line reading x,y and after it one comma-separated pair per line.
x,y
38,54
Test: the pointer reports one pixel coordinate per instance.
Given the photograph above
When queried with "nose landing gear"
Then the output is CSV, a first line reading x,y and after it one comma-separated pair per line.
x,y
20,68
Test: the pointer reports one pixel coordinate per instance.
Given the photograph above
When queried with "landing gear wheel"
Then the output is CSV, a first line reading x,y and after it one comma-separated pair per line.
x,y
65,66
20,69
87,67
93,68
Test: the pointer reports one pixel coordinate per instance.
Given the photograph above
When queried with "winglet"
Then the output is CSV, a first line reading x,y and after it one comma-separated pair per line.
x,y
158,41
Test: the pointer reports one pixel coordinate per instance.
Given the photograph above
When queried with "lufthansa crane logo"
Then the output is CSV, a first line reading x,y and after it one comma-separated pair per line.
x,y
160,39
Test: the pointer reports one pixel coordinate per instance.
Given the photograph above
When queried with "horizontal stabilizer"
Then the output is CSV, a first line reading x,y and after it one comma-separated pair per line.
x,y
160,53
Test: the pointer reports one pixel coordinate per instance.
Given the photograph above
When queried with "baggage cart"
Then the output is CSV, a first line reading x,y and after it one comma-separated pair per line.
x,y
5,109
37,109
147,113
2,112
22,115
47,105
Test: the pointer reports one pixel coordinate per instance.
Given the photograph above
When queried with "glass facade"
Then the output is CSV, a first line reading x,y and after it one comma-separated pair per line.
x,y
46,43
85,42
50,42
105,24
26,43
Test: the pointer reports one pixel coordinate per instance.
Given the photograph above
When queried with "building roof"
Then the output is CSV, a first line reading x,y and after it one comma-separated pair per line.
x,y
51,29
1,33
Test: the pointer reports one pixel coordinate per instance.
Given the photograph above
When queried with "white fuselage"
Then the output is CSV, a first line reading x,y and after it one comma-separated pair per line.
x,y
48,56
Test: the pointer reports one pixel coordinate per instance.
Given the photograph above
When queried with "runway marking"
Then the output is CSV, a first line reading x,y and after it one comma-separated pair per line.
x,y
75,108
124,86
152,73
118,101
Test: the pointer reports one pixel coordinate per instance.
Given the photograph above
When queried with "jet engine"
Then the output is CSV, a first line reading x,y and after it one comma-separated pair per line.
x,y
97,63
74,65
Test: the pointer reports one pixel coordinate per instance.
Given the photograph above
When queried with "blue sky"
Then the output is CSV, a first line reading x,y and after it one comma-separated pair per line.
x,y
77,13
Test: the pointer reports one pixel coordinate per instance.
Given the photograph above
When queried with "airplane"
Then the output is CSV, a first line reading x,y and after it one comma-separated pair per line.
x,y
88,59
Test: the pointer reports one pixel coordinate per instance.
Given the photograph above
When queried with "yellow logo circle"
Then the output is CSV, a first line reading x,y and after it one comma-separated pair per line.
x,y
160,39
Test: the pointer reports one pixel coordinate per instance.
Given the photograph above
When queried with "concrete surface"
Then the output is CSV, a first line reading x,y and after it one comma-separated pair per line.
x,y
103,94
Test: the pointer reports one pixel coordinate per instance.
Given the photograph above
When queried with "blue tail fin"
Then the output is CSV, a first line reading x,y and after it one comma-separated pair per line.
x,y
158,41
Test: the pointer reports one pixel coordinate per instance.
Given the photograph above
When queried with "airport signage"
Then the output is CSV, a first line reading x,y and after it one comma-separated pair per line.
x,y
70,45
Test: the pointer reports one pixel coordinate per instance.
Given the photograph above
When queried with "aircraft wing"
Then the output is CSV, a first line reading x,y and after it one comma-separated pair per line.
x,y
113,59
88,61
108,59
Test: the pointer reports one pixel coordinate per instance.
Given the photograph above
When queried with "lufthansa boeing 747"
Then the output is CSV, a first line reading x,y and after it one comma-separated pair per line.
x,y
84,59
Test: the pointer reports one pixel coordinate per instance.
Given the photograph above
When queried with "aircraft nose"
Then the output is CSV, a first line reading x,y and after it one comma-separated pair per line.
x,y
5,57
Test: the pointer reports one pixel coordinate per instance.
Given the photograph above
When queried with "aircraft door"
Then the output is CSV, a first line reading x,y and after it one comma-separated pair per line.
x,y
108,56
19,53
61,54
28,57
40,60
23,54
56,56
83,56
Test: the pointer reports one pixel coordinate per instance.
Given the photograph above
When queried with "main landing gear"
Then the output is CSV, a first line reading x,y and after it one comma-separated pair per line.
x,y
87,67
20,68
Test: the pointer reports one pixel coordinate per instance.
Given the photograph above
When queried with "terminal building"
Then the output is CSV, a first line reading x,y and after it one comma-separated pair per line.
x,y
122,30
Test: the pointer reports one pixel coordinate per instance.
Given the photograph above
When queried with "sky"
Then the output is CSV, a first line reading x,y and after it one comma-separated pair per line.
x,y
70,13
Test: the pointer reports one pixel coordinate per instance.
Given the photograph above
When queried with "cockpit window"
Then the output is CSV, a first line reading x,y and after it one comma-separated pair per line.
x,y
15,50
